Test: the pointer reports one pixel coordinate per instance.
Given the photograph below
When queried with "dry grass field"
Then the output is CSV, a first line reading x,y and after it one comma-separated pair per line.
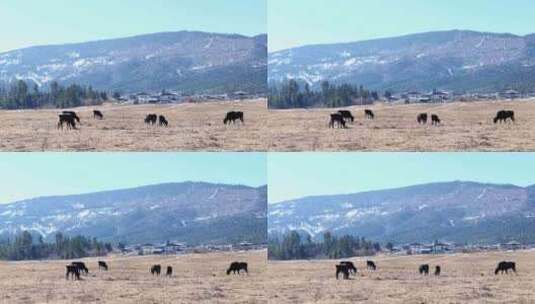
x,y
465,127
466,278
198,278
192,127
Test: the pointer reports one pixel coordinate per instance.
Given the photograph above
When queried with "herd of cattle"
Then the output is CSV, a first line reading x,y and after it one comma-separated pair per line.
x,y
342,117
346,268
69,119
76,269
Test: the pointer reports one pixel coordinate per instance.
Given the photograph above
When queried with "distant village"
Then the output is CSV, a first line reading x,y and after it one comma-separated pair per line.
x,y
450,248
442,96
177,248
178,97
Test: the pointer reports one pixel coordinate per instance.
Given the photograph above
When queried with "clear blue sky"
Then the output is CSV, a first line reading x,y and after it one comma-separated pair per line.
x,y
295,175
37,22
28,175
302,22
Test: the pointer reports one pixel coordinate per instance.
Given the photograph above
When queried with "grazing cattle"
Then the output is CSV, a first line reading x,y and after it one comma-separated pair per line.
x,y
338,119
422,118
343,269
169,271
236,267
81,267
435,120
351,267
97,114
151,119
371,265
369,114
162,121
437,270
503,115
156,270
67,119
73,271
73,114
232,116
424,269
102,265
505,267
346,115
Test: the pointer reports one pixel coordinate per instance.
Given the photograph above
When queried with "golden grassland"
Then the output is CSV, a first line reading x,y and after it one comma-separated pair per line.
x,y
192,127
466,278
198,278
466,126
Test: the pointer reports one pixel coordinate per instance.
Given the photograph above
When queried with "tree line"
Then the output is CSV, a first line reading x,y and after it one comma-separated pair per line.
x,y
23,95
296,246
290,94
25,246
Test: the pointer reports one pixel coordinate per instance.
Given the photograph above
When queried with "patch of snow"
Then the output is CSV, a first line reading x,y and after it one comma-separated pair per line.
x,y
212,196
201,67
482,194
324,217
281,212
78,206
480,42
347,205
277,61
209,44
73,55
350,62
13,213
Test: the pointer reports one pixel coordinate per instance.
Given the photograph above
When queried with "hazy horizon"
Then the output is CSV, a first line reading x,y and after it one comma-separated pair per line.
x,y
402,35
38,23
316,174
310,22
33,175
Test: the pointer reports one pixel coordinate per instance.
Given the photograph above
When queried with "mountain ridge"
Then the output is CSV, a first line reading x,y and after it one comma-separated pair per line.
x,y
189,61
192,212
452,211
457,60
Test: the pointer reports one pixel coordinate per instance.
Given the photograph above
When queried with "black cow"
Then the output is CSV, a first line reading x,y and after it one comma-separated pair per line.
x,y
422,118
156,270
351,267
81,266
346,115
67,119
73,271
73,114
151,119
505,267
435,120
169,271
97,114
162,121
437,270
343,269
371,265
236,267
503,115
232,116
424,269
102,265
338,119
369,114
